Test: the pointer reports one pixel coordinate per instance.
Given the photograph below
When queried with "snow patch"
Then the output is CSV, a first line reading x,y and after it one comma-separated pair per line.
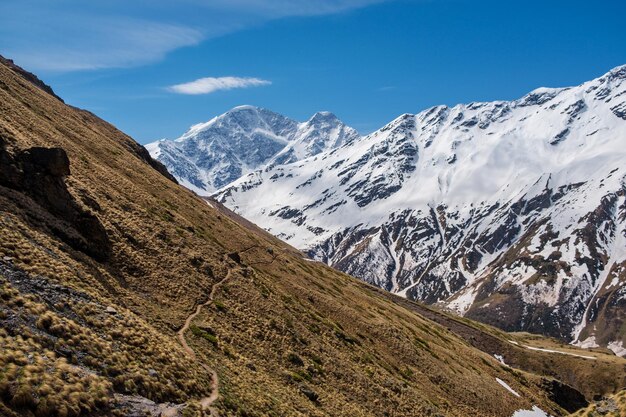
x,y
589,342
558,351
500,359
505,385
535,412
613,283
618,348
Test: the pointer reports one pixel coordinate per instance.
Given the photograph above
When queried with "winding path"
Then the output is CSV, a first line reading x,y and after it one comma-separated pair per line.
x,y
205,402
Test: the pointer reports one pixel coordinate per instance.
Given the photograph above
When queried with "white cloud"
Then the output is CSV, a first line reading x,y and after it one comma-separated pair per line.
x,y
211,84
70,35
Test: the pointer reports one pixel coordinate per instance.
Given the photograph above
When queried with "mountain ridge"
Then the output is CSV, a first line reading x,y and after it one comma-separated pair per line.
x,y
473,184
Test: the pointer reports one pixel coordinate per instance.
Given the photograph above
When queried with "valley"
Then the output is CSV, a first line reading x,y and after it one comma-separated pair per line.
x,y
123,293
510,213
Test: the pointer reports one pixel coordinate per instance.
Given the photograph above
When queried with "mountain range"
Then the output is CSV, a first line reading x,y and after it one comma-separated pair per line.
x,y
124,294
509,212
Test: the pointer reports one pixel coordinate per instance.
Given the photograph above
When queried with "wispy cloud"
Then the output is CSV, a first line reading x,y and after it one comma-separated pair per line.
x,y
75,42
282,8
210,85
72,35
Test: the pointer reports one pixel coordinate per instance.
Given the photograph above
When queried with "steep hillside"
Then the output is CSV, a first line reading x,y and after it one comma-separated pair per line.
x,y
213,154
122,293
512,213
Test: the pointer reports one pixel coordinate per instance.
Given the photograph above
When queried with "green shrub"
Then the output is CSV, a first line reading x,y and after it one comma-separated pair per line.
x,y
196,331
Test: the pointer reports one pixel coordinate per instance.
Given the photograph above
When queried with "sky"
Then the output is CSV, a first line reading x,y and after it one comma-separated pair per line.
x,y
155,67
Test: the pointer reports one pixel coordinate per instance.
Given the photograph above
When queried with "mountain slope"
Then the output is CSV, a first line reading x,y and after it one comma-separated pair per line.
x,y
213,154
103,259
513,213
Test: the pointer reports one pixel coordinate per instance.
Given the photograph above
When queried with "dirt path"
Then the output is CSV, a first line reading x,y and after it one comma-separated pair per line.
x,y
205,402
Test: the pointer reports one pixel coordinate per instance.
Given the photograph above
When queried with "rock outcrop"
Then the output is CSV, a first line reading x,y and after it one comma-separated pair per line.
x,y
38,174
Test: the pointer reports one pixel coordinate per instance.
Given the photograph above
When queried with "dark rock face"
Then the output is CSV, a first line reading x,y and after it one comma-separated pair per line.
x,y
564,395
50,161
310,394
288,213
235,257
38,173
399,149
620,110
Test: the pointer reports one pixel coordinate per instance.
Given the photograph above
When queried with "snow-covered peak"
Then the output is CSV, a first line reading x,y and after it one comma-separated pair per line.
x,y
469,153
322,132
617,72
154,148
246,138
244,120
322,117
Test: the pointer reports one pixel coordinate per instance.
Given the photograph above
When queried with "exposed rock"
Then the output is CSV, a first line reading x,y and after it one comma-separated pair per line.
x,y
138,406
564,395
310,394
235,257
39,174
143,154
51,161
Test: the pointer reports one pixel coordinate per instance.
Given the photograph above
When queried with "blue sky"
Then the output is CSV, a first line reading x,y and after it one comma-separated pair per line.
x,y
155,67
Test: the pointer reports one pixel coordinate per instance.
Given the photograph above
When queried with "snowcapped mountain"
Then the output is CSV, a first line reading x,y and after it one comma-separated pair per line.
x,y
513,213
213,154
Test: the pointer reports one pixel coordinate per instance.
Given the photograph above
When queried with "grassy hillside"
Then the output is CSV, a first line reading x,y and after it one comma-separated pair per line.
x,y
593,372
103,258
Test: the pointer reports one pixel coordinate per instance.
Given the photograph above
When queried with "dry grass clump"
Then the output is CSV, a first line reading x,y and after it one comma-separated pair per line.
x,y
93,353
27,253
35,380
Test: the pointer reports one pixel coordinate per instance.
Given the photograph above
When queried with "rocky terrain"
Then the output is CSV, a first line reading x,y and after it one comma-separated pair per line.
x,y
511,213
122,293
